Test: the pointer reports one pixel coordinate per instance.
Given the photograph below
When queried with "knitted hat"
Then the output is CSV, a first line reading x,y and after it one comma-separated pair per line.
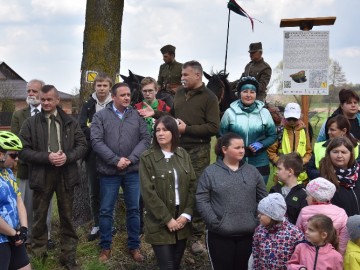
x,y
168,49
273,206
247,80
255,47
353,227
292,110
321,189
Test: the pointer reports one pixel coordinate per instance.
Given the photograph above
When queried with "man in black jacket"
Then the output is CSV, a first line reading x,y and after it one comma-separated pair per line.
x,y
97,101
52,143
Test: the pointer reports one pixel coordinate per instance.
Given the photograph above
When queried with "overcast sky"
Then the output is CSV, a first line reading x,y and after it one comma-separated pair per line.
x,y
43,38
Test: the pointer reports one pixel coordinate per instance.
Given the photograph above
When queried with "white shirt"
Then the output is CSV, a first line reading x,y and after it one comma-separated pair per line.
x,y
32,108
177,196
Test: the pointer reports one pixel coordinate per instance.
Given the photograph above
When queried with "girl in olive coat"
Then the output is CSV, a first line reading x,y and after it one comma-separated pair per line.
x,y
168,191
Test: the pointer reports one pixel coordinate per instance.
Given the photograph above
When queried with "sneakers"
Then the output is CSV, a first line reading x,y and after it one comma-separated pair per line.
x,y
113,231
197,247
105,255
136,255
94,234
50,244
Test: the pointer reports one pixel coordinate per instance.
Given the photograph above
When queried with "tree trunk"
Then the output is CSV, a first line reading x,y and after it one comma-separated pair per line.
x,y
101,53
101,47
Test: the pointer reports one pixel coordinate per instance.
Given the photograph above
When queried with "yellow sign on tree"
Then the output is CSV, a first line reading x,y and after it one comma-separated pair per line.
x,y
90,76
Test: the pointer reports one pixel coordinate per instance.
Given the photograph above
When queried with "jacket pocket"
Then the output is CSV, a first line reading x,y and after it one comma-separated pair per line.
x,y
151,226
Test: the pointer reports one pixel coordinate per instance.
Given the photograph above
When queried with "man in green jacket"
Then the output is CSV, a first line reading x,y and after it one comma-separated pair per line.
x,y
197,110
169,77
259,69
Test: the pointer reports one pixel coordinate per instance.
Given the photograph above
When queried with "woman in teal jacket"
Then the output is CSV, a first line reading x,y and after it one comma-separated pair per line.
x,y
253,122
168,191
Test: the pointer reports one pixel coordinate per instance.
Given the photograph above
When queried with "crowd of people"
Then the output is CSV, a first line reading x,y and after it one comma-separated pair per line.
x,y
158,153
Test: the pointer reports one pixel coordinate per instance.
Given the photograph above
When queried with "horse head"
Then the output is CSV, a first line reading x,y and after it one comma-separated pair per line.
x,y
220,86
134,82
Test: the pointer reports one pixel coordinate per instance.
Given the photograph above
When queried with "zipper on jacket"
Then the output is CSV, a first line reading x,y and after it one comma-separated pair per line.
x,y
316,256
356,199
293,129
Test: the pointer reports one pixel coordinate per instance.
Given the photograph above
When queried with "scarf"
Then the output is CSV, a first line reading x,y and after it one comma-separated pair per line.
x,y
348,177
247,109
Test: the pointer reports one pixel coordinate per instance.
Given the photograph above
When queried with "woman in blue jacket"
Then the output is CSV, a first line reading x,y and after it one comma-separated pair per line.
x,y
253,122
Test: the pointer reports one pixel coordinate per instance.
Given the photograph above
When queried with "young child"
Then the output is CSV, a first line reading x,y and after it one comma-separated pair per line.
x,y
275,238
352,254
289,167
320,191
13,220
319,251
294,138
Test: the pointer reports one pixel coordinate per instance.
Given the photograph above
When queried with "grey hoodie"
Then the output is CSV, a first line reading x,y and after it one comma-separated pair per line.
x,y
227,200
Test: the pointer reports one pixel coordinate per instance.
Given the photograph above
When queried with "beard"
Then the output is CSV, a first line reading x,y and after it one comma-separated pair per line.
x,y
32,101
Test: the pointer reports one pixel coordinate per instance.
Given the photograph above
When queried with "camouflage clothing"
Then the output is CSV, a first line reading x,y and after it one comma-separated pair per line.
x,y
170,76
262,72
200,159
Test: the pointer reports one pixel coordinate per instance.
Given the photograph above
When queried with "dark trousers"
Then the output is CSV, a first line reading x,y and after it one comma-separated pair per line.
x,y
265,172
41,200
200,159
229,253
169,256
13,257
94,186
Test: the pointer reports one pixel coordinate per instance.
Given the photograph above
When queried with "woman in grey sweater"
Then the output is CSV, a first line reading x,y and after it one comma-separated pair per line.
x,y
227,196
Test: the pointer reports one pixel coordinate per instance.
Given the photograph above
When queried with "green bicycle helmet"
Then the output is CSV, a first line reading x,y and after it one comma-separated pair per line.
x,y
9,141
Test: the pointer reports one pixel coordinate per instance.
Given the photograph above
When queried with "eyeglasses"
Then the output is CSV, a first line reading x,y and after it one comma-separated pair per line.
x,y
150,91
291,119
13,155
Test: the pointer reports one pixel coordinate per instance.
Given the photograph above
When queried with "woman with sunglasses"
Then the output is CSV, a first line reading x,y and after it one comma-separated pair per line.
x,y
13,219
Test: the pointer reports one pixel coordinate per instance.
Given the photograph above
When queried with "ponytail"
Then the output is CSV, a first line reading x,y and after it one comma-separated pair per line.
x,y
323,223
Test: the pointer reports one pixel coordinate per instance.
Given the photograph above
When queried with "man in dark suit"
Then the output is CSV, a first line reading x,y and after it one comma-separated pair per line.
x,y
33,88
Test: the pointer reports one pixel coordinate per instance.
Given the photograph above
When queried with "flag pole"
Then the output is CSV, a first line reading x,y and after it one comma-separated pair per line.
x,y
227,41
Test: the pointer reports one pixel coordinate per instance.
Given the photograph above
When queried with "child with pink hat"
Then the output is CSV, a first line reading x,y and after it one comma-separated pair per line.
x,y
320,192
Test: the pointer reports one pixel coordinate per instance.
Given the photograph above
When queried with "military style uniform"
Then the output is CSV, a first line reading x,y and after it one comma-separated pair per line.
x,y
262,73
170,75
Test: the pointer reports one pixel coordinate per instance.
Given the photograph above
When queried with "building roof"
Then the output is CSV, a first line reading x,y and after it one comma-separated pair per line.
x,y
10,79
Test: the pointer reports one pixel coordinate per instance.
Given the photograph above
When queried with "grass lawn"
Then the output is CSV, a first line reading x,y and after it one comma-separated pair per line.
x,y
88,252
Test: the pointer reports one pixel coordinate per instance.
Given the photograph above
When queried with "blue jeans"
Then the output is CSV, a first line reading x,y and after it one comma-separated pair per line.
x,y
109,191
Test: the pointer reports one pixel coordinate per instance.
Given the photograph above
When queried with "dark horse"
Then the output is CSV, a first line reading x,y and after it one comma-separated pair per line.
x,y
134,80
219,84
